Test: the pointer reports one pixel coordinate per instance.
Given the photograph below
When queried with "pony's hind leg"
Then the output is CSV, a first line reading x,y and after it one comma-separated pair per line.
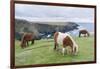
x,y
32,41
55,46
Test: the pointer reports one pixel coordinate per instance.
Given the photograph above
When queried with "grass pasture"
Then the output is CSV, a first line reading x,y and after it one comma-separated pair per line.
x,y
42,52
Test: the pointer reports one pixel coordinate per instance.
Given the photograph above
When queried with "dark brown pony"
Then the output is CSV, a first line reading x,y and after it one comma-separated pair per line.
x,y
26,38
84,32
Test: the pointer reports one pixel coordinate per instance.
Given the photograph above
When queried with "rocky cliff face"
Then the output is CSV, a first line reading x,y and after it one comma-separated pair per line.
x,y
43,27
26,26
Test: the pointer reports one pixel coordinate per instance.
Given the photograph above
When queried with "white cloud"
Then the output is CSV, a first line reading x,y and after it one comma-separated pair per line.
x,y
59,19
53,13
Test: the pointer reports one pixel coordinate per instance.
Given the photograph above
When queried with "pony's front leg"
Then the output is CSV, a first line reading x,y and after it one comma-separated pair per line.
x,y
79,34
32,42
55,44
88,34
24,45
84,35
63,51
27,43
76,50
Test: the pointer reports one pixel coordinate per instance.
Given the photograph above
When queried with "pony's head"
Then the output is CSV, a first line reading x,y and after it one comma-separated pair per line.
x,y
88,33
71,42
23,42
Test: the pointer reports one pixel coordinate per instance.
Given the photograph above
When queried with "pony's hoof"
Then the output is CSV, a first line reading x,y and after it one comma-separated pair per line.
x,y
75,54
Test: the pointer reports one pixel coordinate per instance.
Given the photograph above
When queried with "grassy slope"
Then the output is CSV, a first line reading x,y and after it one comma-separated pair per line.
x,y
42,52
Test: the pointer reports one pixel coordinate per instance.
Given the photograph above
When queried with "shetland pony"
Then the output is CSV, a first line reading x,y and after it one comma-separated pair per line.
x,y
26,38
84,32
65,40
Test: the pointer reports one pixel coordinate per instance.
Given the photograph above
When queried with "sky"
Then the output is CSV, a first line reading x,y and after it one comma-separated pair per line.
x,y
54,13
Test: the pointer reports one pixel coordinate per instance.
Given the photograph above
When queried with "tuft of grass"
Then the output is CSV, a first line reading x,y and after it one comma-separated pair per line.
x,y
42,52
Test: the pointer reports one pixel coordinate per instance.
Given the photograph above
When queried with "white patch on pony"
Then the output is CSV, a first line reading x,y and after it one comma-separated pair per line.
x,y
60,38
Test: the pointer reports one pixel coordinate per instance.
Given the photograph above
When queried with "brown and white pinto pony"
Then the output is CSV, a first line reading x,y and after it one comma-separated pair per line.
x,y
26,38
64,39
84,32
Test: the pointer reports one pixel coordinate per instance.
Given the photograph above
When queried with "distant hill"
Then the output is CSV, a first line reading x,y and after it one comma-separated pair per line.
x,y
23,25
43,27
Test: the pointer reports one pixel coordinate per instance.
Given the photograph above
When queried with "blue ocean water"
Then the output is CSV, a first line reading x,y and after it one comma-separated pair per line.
x,y
87,26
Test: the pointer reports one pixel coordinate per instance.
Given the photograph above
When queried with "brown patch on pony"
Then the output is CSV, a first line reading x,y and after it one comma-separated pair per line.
x,y
26,38
85,32
55,39
68,42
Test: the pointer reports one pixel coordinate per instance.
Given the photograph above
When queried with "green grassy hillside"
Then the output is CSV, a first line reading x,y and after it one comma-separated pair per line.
x,y
42,52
